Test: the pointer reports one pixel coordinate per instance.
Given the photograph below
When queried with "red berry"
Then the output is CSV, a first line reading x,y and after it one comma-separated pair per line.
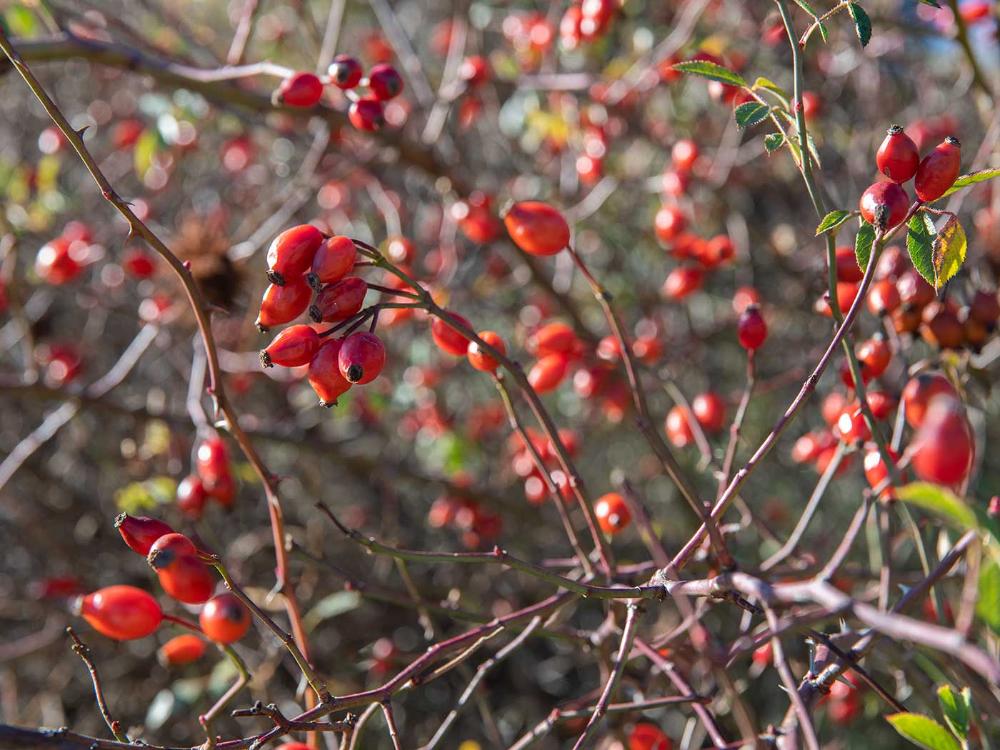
x,y
138,264
885,200
384,82
139,532
223,490
678,427
684,154
300,90
938,170
400,250
918,394
682,282
897,158
224,619
345,72
985,308
325,376
478,358
57,263
851,425
367,114
474,70
883,297
943,446
710,411
339,301
763,654
182,574
646,736
669,223
548,372
291,253
876,471
447,338
537,228
212,461
283,304
751,328
612,513
293,347
744,297
848,269
880,403
875,355
121,612
361,357
191,496
553,338
180,650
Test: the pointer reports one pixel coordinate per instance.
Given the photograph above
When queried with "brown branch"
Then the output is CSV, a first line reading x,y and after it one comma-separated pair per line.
x,y
83,651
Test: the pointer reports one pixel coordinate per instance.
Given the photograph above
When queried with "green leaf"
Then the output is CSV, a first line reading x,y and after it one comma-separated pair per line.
x,y
920,245
937,499
749,114
711,71
767,83
21,21
988,603
923,731
972,178
862,23
773,141
819,24
863,244
832,220
956,708
949,250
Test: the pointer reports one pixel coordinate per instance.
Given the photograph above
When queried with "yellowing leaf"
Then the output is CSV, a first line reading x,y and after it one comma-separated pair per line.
x,y
949,251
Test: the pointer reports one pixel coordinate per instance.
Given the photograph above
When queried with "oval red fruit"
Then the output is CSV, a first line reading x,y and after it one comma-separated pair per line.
x,y
537,228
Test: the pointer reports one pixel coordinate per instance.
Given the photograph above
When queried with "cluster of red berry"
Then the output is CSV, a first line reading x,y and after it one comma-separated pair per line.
x,y
212,479
476,524
126,612
367,112
302,260
63,258
586,21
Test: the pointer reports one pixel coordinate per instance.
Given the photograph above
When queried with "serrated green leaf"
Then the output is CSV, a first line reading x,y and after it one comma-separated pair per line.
x,y
767,83
711,71
749,114
988,602
773,141
819,24
972,178
923,731
950,247
938,500
955,707
832,220
920,245
863,244
862,23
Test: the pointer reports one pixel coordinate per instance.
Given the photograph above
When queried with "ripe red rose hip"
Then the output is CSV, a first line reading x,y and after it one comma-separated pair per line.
x,y
646,736
612,513
291,253
938,170
181,650
339,301
537,228
140,532
478,358
283,304
447,338
345,72
943,447
885,201
751,329
548,372
191,496
121,612
333,260
367,114
710,411
325,376
361,357
384,82
300,90
678,427
682,282
224,619
897,158
293,347
918,393
212,461
182,574
669,223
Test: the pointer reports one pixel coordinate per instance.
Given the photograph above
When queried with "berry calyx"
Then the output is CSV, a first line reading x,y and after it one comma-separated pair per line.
x,y
361,357
612,513
897,158
938,170
447,338
123,613
324,374
300,90
884,205
479,359
339,301
283,304
385,82
224,619
537,228
291,253
333,260
181,650
345,72
182,574
140,532
293,347
751,329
